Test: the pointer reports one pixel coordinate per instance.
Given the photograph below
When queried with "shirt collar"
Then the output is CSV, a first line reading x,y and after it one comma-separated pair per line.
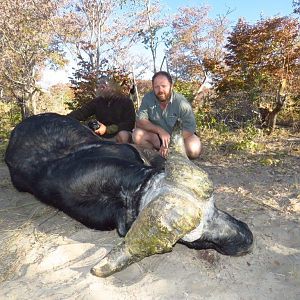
x,y
172,97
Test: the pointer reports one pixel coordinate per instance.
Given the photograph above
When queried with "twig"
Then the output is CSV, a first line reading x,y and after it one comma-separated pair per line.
x,y
16,207
57,211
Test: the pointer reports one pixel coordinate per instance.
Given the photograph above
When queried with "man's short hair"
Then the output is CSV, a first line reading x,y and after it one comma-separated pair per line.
x,y
163,73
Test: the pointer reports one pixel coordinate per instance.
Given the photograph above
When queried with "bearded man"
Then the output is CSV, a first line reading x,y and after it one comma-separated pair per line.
x,y
157,115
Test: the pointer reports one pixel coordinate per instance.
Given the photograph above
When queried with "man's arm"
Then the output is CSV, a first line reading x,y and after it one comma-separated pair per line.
x,y
128,115
81,114
187,117
149,126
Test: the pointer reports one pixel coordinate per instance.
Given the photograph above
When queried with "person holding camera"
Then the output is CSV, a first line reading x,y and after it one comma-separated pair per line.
x,y
113,110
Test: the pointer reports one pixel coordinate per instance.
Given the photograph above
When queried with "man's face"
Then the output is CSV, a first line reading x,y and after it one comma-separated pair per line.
x,y
162,88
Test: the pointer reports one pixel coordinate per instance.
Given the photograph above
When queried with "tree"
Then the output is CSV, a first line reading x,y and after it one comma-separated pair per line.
x,y
150,24
107,32
106,36
197,40
93,17
55,99
27,41
296,5
84,82
262,60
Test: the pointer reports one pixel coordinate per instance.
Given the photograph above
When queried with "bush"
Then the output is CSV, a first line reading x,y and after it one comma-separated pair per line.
x,y
187,89
10,116
206,120
248,136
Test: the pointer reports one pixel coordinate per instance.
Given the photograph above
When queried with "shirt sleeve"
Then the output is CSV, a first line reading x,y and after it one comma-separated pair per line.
x,y
128,116
82,114
187,116
142,113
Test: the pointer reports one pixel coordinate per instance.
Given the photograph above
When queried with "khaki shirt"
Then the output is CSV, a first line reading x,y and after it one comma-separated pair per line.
x,y
178,107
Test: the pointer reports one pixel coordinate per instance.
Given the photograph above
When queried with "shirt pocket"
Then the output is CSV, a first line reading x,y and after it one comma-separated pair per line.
x,y
171,120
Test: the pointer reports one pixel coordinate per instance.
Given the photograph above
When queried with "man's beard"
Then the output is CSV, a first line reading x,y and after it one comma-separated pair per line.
x,y
165,98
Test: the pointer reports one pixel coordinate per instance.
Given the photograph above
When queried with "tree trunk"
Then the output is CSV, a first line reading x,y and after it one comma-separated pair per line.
x,y
27,104
25,111
136,92
269,117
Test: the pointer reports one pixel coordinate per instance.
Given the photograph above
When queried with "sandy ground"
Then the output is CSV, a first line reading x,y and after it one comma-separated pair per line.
x,y
46,255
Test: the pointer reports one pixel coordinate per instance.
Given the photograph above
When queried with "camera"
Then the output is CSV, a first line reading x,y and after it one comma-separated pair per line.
x,y
94,125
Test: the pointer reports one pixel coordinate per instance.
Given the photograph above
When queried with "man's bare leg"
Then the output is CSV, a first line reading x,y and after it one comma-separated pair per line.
x,y
146,139
192,146
123,137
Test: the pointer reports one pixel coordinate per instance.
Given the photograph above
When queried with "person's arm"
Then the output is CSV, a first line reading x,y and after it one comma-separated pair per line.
x,y
149,126
85,112
81,114
188,118
127,121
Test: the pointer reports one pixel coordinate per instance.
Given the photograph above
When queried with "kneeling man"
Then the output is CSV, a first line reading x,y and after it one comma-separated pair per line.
x,y
157,115
113,109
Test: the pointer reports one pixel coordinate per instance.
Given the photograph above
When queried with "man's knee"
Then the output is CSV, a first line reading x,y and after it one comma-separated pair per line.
x,y
123,137
138,136
145,139
193,147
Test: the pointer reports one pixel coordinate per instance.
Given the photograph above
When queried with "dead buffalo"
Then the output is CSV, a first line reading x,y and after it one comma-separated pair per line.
x,y
106,185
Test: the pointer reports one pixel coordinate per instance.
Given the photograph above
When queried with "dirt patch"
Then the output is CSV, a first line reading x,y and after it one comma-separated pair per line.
x,y
45,254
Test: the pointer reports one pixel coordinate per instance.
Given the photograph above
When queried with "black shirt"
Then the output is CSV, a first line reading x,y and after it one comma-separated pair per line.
x,y
110,110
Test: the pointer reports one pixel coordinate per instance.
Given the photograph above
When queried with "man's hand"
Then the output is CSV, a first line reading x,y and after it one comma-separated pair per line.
x,y
165,138
163,151
101,130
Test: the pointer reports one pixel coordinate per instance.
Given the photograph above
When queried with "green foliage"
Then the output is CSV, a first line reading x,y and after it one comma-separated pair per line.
x,y
269,161
247,141
9,117
206,120
187,89
290,116
55,99
83,84
242,140
3,146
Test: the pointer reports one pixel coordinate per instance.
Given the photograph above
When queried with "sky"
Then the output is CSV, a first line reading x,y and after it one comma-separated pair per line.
x,y
250,10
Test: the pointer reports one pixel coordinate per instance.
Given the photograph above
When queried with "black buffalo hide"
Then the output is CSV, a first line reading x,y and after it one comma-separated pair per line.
x,y
64,164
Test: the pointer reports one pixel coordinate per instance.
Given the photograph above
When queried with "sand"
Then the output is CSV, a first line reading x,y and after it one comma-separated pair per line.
x,y
47,255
